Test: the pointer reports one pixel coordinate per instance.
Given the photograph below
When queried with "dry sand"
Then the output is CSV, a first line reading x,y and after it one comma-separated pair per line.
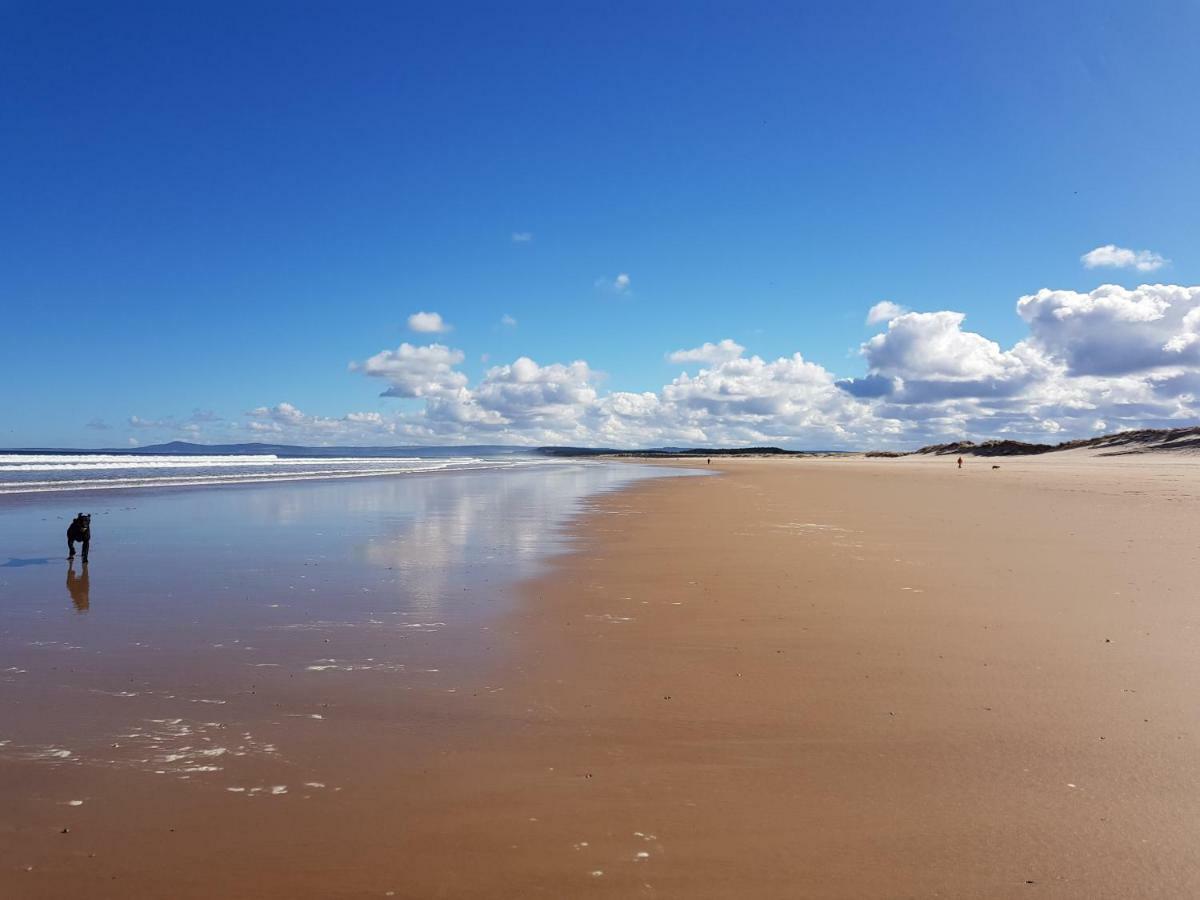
x,y
803,678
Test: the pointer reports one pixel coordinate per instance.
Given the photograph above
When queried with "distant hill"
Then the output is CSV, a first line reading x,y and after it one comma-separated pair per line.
x,y
1148,440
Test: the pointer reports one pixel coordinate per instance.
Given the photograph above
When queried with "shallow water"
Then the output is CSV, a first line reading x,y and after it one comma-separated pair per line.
x,y
211,621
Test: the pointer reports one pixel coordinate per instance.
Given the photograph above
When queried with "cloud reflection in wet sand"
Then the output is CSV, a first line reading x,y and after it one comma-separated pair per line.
x,y
302,581
456,525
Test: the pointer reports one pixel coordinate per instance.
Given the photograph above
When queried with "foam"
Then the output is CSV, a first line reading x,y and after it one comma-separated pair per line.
x,y
22,473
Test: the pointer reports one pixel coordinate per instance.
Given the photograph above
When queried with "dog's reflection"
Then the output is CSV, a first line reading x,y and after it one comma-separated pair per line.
x,y
77,586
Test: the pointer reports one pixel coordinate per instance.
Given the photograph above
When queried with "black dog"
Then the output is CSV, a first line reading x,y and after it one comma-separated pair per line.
x,y
79,530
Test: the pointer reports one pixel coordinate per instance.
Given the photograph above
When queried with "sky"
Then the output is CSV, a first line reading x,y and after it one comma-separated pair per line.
x,y
813,225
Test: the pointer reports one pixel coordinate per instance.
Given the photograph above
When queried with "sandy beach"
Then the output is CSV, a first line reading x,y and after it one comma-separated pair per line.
x,y
801,678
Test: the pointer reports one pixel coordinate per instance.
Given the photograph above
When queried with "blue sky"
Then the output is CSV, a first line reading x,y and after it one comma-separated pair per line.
x,y
219,207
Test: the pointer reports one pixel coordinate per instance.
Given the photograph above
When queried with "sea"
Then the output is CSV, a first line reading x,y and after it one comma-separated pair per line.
x,y
31,473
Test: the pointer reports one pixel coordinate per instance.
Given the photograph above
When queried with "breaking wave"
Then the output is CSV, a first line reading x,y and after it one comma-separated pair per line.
x,y
34,473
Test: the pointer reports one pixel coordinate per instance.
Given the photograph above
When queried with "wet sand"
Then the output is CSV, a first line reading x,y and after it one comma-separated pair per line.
x,y
884,679
804,678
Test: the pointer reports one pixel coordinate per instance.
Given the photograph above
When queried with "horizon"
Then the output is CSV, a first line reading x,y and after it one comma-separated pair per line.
x,y
854,228
713,448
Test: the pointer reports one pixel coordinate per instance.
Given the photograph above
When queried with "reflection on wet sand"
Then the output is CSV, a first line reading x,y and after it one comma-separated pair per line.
x,y
253,645
455,525
77,586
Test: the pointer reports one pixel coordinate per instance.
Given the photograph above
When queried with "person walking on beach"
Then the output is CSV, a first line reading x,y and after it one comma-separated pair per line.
x,y
960,462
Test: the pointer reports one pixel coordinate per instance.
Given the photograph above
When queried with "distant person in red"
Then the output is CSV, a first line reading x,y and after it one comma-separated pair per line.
x,y
960,462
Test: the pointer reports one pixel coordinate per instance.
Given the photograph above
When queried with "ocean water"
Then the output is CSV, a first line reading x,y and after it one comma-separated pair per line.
x,y
22,473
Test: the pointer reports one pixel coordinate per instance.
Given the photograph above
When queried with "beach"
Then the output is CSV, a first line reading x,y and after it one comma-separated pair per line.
x,y
797,678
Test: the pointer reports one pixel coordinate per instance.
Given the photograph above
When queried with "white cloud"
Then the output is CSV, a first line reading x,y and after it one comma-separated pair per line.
x,y
283,414
723,351
1114,330
933,345
884,311
191,425
139,422
416,371
619,285
427,323
286,419
1112,256
553,396
508,321
522,237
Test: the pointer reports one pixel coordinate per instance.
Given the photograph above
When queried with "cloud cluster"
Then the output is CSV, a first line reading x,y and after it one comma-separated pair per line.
x,y
1090,362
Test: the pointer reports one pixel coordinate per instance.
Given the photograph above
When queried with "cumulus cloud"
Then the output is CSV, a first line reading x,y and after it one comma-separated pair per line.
x,y
508,321
522,237
1112,256
98,424
934,347
710,353
427,323
884,311
1114,330
526,391
416,371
